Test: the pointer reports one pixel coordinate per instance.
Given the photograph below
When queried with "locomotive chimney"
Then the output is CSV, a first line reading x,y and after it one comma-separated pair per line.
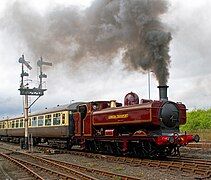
x,y
163,93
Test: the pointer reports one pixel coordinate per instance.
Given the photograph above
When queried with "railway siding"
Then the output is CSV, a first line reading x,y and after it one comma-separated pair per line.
x,y
34,174
59,169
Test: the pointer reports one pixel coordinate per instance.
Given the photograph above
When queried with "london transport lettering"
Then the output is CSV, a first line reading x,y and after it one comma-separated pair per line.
x,y
118,116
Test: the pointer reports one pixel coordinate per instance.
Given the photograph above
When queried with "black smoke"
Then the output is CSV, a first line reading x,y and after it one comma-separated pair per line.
x,y
73,35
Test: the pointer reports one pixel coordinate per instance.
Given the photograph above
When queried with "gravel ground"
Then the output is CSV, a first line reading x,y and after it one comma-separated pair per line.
x,y
9,171
196,153
142,172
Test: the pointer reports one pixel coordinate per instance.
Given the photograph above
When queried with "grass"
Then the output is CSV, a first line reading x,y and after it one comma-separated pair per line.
x,y
205,134
199,122
92,165
119,168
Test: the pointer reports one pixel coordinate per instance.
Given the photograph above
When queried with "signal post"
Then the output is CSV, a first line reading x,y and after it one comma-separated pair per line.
x,y
26,91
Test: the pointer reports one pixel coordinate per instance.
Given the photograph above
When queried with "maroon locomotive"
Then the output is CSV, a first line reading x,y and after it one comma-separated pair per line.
x,y
145,128
141,128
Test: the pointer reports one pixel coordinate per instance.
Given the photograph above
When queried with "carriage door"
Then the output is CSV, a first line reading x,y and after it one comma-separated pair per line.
x,y
83,112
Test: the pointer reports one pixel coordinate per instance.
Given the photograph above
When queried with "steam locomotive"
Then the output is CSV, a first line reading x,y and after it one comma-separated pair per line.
x,y
146,128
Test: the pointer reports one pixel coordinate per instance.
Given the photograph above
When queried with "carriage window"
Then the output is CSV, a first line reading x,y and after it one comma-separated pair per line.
x,y
83,111
34,121
40,120
21,123
0,125
17,123
4,125
56,119
29,121
63,118
13,124
48,120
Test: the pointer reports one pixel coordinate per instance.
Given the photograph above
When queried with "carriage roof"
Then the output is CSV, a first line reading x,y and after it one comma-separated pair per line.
x,y
67,107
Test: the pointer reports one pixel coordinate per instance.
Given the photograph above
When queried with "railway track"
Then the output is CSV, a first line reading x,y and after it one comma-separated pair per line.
x,y
59,169
22,166
46,169
4,174
201,145
200,168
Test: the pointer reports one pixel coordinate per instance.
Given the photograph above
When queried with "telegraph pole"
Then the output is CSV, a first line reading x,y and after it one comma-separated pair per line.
x,y
149,82
26,91
26,122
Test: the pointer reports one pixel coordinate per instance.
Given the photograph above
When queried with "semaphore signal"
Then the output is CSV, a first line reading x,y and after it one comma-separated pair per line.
x,y
26,91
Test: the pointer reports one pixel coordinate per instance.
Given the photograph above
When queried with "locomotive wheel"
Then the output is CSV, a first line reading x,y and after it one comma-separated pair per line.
x,y
116,148
143,149
136,149
106,148
103,147
148,150
112,148
90,146
174,151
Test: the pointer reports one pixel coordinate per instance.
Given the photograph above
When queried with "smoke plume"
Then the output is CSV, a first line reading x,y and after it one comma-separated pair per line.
x,y
75,36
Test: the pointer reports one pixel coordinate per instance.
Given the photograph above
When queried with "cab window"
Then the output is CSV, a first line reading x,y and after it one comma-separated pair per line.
x,y
48,120
83,111
56,119
34,121
40,120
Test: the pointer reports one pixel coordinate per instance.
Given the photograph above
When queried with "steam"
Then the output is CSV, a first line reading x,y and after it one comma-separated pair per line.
x,y
108,26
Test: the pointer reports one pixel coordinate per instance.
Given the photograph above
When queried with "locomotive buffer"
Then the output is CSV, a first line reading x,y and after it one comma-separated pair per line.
x,y
26,91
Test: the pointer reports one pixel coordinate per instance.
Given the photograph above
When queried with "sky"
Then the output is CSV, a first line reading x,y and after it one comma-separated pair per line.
x,y
190,73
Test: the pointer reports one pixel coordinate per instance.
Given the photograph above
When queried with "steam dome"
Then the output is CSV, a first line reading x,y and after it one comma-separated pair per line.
x,y
131,99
